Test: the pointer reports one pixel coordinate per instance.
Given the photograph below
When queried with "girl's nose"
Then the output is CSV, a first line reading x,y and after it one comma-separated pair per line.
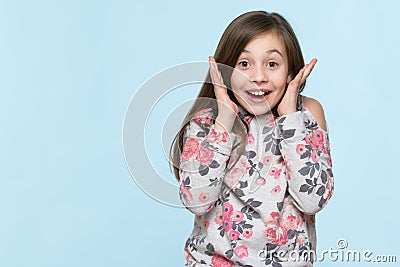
x,y
259,74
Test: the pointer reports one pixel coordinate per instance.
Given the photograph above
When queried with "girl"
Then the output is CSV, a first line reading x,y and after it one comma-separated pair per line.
x,y
253,156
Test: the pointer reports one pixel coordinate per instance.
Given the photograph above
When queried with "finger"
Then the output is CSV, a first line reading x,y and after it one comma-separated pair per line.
x,y
296,82
216,79
218,71
308,68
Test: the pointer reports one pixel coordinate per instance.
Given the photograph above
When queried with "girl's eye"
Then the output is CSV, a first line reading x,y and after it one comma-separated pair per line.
x,y
272,64
244,64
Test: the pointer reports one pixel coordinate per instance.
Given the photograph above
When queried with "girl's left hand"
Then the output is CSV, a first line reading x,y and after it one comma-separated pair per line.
x,y
289,100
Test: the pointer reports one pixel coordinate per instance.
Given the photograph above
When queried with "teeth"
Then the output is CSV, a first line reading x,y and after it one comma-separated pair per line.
x,y
258,93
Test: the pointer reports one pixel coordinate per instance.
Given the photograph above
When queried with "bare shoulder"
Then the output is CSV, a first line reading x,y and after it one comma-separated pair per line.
x,y
316,110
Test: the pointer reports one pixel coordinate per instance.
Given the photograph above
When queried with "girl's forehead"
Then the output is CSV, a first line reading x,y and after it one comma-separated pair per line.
x,y
269,41
269,37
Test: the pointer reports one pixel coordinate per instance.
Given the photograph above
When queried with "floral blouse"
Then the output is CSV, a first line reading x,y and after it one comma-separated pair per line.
x,y
261,209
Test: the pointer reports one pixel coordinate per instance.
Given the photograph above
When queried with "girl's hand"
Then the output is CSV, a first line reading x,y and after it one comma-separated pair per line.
x,y
227,109
289,100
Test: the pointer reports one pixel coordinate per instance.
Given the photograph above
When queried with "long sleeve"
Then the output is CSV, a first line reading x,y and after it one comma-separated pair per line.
x,y
305,150
204,157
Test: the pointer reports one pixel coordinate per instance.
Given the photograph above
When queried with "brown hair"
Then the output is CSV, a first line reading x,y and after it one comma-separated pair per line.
x,y
236,36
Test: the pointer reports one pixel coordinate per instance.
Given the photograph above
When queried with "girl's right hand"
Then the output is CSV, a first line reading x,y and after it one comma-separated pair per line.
x,y
227,109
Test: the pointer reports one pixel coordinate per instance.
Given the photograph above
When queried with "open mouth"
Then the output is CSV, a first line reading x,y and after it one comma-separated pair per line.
x,y
258,93
258,96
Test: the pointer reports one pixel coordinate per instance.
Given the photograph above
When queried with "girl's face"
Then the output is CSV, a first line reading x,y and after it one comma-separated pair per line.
x,y
261,74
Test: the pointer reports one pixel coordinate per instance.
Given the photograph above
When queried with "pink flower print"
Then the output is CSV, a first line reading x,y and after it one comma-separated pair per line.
x,y
218,218
314,156
329,159
322,148
205,156
260,181
245,165
234,235
270,234
285,159
237,216
292,222
206,224
204,197
224,137
247,232
227,210
187,196
300,149
220,261
217,136
317,137
309,141
328,188
270,231
276,190
270,120
327,142
227,224
233,173
241,251
186,253
203,116
274,232
267,160
272,171
283,238
190,148
250,139
275,216
300,239
291,218
275,172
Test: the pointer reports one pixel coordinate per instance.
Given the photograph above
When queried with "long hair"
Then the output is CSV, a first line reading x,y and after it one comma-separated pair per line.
x,y
236,36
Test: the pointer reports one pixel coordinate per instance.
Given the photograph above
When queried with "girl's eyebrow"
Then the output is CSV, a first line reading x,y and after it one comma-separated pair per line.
x,y
267,52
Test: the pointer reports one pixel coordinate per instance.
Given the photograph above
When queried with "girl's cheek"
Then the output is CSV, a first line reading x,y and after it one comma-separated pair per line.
x,y
238,80
281,80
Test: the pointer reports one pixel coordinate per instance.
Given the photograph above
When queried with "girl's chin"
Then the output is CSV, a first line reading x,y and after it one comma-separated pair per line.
x,y
257,110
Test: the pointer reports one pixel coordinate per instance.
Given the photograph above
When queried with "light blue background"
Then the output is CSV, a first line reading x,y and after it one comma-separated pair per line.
x,y
68,70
